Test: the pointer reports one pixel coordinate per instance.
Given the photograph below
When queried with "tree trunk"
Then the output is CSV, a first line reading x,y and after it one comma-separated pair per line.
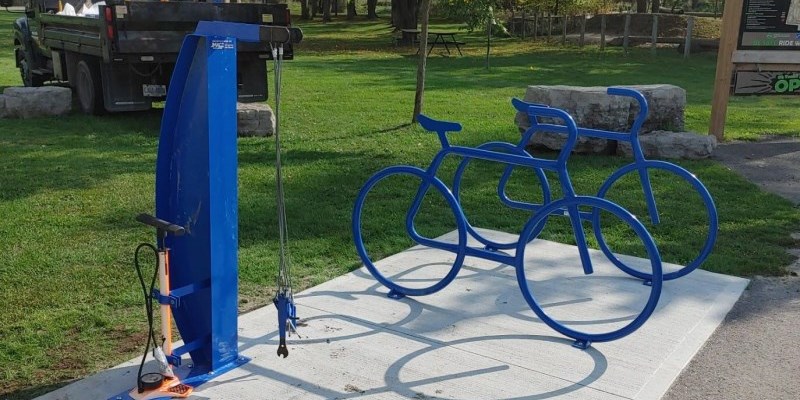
x,y
656,6
351,9
315,8
641,6
371,5
304,14
326,10
406,14
423,58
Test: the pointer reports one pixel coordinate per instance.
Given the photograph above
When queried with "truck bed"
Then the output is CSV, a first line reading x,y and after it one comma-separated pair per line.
x,y
151,28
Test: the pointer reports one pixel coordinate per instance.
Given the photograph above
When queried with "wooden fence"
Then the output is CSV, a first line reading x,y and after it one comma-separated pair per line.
x,y
557,28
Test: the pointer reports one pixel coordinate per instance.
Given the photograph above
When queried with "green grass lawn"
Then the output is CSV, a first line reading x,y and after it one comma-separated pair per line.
x,y
70,187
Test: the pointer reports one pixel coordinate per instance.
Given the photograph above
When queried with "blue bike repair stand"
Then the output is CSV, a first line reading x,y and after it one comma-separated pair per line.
x,y
196,187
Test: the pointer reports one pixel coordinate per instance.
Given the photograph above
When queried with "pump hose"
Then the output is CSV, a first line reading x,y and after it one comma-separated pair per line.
x,y
148,301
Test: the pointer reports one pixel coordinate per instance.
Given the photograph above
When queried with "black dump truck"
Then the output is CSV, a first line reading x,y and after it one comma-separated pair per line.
x,y
119,55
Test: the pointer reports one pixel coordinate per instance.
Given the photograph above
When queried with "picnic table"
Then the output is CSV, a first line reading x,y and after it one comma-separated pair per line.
x,y
445,39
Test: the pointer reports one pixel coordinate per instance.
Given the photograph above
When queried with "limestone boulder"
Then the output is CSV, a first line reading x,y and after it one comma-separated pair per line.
x,y
584,145
32,102
667,104
665,144
592,107
255,119
589,106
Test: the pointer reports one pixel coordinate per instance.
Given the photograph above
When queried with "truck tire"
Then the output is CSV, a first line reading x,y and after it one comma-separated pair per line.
x,y
89,87
28,77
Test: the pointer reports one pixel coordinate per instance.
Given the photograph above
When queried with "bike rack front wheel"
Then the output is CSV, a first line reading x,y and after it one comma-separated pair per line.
x,y
398,290
701,192
629,323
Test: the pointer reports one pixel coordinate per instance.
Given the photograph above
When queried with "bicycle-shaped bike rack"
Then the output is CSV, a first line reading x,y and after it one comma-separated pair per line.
x,y
640,165
572,206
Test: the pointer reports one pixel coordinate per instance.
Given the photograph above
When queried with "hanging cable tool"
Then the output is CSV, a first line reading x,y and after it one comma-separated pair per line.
x,y
284,301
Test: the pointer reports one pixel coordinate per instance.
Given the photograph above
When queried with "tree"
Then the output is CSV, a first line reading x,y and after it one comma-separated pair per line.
x,y
315,8
326,10
351,9
371,5
304,14
404,16
641,6
423,58
656,6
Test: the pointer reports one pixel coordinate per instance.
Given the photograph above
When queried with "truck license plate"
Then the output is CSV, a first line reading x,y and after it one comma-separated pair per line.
x,y
154,90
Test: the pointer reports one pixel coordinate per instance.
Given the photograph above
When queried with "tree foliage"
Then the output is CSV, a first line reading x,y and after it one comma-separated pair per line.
x,y
474,13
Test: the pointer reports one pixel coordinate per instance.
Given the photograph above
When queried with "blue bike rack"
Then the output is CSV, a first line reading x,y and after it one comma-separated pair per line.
x,y
196,188
571,205
640,166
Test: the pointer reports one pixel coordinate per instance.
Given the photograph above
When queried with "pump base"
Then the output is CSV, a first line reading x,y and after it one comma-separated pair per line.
x,y
189,376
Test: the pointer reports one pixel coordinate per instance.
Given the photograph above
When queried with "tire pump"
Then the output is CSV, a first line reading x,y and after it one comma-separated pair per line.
x,y
163,383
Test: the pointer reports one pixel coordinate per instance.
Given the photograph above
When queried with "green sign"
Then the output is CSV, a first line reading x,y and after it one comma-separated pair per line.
x,y
761,83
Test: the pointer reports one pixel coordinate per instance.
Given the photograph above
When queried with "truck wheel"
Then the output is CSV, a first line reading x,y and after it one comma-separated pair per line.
x,y
89,88
28,77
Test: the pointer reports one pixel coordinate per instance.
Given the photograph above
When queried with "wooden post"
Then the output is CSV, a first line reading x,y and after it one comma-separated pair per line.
x,y
583,30
513,31
549,26
687,45
535,26
564,30
627,32
602,32
654,40
523,24
729,36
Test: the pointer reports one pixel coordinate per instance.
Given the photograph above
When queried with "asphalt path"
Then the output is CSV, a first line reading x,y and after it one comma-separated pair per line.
x,y
755,353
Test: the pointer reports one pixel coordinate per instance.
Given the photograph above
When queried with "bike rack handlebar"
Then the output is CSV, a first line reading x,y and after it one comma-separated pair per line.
x,y
569,127
522,106
534,110
644,110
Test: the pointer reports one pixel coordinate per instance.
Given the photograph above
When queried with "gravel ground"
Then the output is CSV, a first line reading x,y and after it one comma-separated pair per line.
x,y
755,353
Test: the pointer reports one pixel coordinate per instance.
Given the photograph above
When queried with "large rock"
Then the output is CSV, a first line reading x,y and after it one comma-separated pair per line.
x,y
663,144
667,104
584,145
255,119
2,106
31,102
592,107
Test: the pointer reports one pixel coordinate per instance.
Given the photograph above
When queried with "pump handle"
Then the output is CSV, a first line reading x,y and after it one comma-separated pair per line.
x,y
160,224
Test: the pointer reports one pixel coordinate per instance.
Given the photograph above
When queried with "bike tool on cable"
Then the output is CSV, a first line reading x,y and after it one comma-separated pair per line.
x,y
283,300
163,383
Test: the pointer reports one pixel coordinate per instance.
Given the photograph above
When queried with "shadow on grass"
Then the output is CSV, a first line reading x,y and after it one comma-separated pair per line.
x,y
73,152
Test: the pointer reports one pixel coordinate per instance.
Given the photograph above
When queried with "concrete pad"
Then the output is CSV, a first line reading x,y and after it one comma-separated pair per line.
x,y
475,339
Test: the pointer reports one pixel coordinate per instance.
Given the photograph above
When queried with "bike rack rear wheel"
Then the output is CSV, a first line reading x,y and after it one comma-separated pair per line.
x,y
398,290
